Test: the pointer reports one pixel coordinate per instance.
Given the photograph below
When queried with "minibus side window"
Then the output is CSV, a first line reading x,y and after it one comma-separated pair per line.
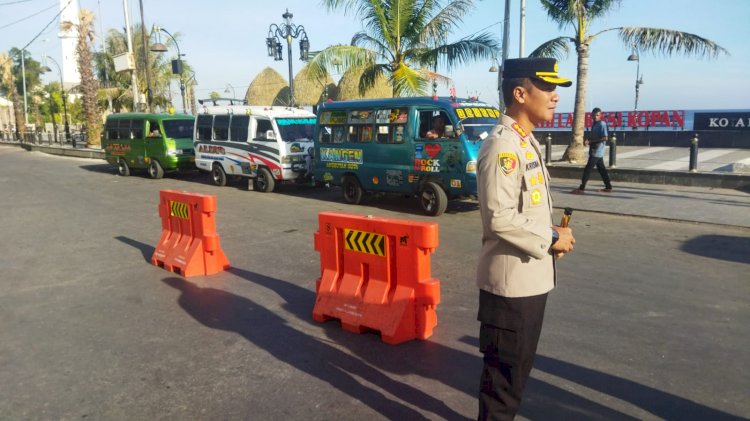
x,y
221,127
261,129
153,129
123,129
339,134
136,129
390,125
391,133
360,129
112,132
432,124
326,134
238,128
203,127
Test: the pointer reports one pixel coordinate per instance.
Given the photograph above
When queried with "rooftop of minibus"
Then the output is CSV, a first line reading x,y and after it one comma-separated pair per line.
x,y
447,102
156,116
260,110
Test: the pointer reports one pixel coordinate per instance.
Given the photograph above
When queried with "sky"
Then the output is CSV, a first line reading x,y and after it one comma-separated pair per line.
x,y
224,42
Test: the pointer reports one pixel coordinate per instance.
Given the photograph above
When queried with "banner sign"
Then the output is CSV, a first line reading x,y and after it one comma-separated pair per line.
x,y
664,120
722,121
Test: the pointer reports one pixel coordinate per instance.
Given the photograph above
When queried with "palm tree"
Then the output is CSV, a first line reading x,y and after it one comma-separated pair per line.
x,y
8,85
579,14
89,84
33,70
403,40
119,87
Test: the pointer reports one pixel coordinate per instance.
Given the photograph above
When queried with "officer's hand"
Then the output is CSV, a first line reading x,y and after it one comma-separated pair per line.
x,y
565,243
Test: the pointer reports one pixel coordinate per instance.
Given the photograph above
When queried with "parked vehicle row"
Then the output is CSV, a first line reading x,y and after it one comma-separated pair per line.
x,y
423,147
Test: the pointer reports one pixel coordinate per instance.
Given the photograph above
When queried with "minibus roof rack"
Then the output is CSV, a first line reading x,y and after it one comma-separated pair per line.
x,y
215,101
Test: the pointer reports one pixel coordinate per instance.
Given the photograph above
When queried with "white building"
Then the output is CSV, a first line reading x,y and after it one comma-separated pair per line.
x,y
69,13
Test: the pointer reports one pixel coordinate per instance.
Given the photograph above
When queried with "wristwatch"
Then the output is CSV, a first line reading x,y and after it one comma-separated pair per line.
x,y
555,237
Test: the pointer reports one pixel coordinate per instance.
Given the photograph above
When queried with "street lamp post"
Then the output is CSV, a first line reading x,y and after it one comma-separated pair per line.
x,y
287,30
146,67
23,77
191,82
64,100
176,64
227,90
638,76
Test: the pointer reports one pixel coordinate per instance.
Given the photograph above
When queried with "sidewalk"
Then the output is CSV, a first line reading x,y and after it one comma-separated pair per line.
x,y
682,203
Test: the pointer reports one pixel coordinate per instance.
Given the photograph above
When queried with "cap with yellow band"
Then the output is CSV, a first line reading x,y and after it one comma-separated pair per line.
x,y
544,69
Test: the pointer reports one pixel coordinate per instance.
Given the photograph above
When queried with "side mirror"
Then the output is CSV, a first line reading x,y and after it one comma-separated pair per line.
x,y
270,135
449,133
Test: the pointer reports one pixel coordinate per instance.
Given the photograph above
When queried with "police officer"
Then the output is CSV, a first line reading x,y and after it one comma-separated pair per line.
x,y
519,241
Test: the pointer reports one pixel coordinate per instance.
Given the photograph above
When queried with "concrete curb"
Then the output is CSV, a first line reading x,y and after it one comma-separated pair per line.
x,y
57,150
678,178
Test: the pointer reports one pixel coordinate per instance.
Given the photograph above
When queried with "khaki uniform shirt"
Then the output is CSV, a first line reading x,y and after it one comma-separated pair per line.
x,y
516,210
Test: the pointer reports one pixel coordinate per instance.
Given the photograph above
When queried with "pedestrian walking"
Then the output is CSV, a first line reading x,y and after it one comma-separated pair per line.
x,y
597,142
519,241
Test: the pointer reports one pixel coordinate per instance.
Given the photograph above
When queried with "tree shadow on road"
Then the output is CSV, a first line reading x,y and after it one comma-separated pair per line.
x,y
721,247
225,311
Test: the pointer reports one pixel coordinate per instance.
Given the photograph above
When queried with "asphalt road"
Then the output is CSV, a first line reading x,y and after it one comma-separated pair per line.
x,y
649,321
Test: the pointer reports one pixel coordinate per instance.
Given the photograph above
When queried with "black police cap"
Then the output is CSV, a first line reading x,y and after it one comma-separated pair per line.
x,y
535,68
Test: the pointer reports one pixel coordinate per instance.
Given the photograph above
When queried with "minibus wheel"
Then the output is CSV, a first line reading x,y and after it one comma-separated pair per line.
x,y
264,181
433,199
122,167
218,175
352,190
155,170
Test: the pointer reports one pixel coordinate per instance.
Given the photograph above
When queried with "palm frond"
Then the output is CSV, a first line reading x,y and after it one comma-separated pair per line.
x,y
668,42
436,30
364,40
568,12
408,82
339,58
557,48
370,76
479,47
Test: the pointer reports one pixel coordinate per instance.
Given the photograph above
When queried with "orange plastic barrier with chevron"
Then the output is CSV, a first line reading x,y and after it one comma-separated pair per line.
x,y
189,244
375,275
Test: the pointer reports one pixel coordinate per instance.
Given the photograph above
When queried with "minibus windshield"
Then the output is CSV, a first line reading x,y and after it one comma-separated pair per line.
x,y
296,129
477,120
178,129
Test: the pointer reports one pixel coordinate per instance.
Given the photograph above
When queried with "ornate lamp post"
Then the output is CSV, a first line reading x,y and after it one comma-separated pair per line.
x,y
229,89
64,100
638,75
287,30
176,64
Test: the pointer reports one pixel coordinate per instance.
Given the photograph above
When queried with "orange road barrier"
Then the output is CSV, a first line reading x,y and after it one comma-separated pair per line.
x,y
375,275
189,245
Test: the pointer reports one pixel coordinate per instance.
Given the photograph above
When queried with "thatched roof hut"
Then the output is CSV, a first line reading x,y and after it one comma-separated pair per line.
x,y
268,88
310,91
349,87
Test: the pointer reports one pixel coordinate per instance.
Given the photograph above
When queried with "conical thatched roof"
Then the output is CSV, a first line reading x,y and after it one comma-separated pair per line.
x,y
349,87
268,88
310,91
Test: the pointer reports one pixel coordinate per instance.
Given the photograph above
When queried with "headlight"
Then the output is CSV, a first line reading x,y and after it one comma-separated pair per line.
x,y
471,167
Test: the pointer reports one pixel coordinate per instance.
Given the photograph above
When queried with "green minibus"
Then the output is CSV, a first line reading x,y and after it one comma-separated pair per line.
x,y
426,147
158,143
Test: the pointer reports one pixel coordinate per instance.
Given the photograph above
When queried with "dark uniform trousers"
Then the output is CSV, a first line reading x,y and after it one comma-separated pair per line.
x,y
508,337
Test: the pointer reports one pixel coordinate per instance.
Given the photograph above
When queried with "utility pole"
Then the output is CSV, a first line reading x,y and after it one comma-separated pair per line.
x,y
506,36
134,81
